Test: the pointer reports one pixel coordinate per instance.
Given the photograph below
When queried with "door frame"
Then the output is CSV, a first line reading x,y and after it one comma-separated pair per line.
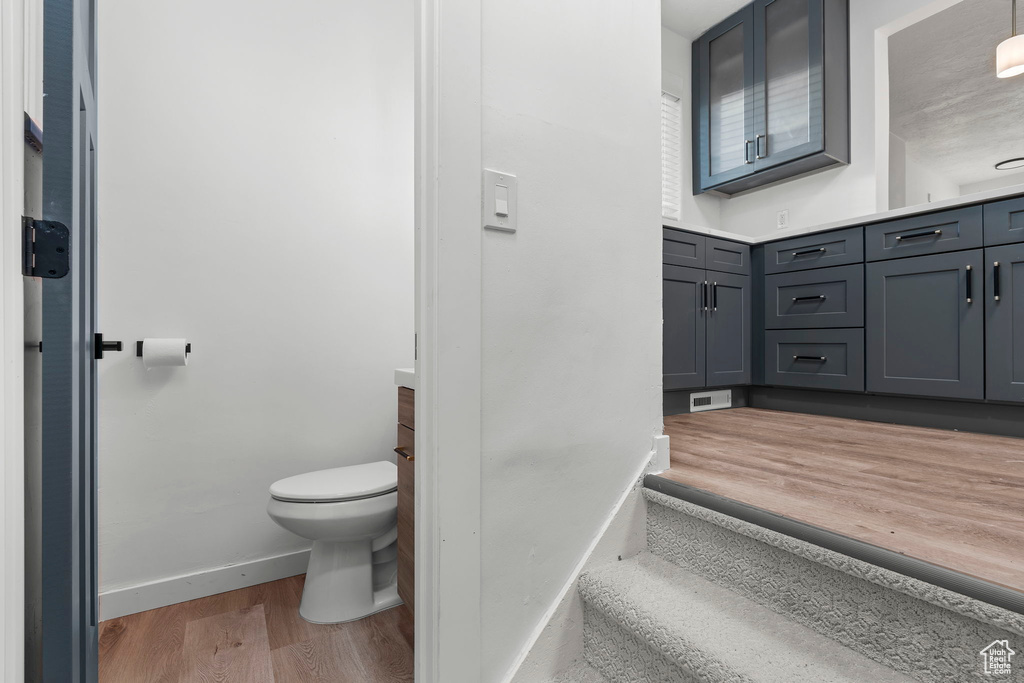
x,y
13,65
448,324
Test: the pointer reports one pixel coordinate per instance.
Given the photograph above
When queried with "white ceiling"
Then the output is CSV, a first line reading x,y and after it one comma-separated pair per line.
x,y
691,18
945,99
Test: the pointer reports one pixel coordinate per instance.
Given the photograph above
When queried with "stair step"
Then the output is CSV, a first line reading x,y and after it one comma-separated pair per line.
x,y
928,632
698,631
580,672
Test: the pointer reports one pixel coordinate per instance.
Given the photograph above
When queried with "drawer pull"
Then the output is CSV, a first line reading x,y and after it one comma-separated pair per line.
x,y
814,359
714,297
995,280
970,285
914,236
805,252
818,297
404,454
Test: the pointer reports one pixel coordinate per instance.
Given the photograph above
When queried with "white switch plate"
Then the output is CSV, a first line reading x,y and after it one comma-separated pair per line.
x,y
498,201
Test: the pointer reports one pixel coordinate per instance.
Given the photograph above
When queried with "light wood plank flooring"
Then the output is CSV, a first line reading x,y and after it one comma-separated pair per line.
x,y
954,499
254,635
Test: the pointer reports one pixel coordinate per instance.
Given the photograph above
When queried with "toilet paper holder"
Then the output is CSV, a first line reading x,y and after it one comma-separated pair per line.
x,y
138,348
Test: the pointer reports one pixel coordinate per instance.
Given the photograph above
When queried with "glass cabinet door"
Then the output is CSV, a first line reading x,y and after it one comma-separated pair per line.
x,y
788,90
726,115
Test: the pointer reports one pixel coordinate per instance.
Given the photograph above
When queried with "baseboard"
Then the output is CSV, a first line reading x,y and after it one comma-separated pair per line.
x,y
635,486
172,590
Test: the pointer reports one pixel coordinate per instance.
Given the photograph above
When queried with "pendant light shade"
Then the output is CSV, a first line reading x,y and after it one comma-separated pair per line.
x,y
1010,53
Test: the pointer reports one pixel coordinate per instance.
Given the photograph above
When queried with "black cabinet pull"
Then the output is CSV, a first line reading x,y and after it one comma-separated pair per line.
x,y
970,286
714,297
815,359
817,297
805,252
704,296
995,280
914,236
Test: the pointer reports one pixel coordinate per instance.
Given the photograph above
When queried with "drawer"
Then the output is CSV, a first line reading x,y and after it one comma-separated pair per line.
x,y
932,233
727,257
1004,222
825,297
835,248
680,248
406,443
815,359
407,407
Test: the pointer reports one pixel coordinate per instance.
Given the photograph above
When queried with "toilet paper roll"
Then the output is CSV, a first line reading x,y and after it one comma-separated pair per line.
x,y
163,353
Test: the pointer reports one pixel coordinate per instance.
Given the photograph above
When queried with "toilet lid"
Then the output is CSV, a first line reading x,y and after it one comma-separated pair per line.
x,y
338,484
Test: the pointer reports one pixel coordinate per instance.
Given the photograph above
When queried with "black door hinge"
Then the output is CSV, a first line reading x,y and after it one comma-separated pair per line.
x,y
45,248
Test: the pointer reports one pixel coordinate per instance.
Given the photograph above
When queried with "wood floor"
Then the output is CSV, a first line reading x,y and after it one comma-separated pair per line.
x,y
950,498
254,635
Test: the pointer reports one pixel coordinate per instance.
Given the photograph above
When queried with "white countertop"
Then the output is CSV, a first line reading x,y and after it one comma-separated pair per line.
x,y
976,198
406,377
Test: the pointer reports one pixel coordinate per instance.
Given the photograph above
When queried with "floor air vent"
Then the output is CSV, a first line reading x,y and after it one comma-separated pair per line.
x,y
710,400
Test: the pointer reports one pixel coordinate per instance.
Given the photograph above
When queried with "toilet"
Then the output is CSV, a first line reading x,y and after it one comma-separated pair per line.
x,y
350,514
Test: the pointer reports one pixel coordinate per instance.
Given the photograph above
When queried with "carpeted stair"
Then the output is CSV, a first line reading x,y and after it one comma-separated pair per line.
x,y
715,599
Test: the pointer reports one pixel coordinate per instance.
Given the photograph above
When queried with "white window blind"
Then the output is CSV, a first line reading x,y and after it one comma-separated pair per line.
x,y
671,156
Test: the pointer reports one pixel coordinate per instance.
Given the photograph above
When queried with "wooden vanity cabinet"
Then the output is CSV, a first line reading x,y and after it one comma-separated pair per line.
x,y
406,496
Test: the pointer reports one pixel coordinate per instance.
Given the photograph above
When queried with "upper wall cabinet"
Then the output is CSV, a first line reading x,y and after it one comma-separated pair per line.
x,y
770,94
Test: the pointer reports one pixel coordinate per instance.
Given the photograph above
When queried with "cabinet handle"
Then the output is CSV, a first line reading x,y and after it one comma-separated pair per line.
x,y
746,151
704,296
805,252
814,359
404,454
714,297
970,285
914,236
995,280
757,146
819,297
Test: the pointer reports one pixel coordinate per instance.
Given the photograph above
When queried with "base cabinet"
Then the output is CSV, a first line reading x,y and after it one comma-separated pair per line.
x,y
1004,323
925,326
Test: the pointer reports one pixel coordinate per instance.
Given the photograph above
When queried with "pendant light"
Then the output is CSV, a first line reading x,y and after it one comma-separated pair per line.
x,y
1010,53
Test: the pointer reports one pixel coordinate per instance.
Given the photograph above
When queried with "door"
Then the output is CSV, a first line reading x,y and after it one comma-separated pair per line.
x,y
685,295
725,101
789,93
69,602
1004,324
925,323
728,330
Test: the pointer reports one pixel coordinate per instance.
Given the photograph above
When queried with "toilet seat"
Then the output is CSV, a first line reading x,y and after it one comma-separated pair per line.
x,y
340,484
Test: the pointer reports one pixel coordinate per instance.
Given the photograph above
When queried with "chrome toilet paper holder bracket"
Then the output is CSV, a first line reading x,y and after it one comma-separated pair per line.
x,y
138,348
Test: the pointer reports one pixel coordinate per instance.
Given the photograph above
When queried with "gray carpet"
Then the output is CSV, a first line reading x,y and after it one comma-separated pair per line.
x,y
718,600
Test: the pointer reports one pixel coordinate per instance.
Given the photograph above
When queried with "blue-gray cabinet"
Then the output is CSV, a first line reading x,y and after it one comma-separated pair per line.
x,y
820,250
931,233
825,297
1004,222
706,333
1004,323
684,300
815,359
770,94
925,325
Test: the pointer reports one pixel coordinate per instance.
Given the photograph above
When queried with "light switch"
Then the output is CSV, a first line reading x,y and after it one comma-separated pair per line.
x,y
500,191
501,200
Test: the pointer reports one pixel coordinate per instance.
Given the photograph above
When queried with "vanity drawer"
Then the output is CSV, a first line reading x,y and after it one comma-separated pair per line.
x,y
1004,222
932,233
835,248
727,257
815,359
406,443
825,297
680,248
407,407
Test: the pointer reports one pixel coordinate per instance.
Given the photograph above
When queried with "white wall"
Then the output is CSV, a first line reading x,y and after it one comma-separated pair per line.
x,y
859,188
700,211
255,196
572,302
925,185
1008,180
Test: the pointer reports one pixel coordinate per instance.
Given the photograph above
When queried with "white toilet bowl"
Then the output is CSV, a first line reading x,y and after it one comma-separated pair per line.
x,y
350,514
